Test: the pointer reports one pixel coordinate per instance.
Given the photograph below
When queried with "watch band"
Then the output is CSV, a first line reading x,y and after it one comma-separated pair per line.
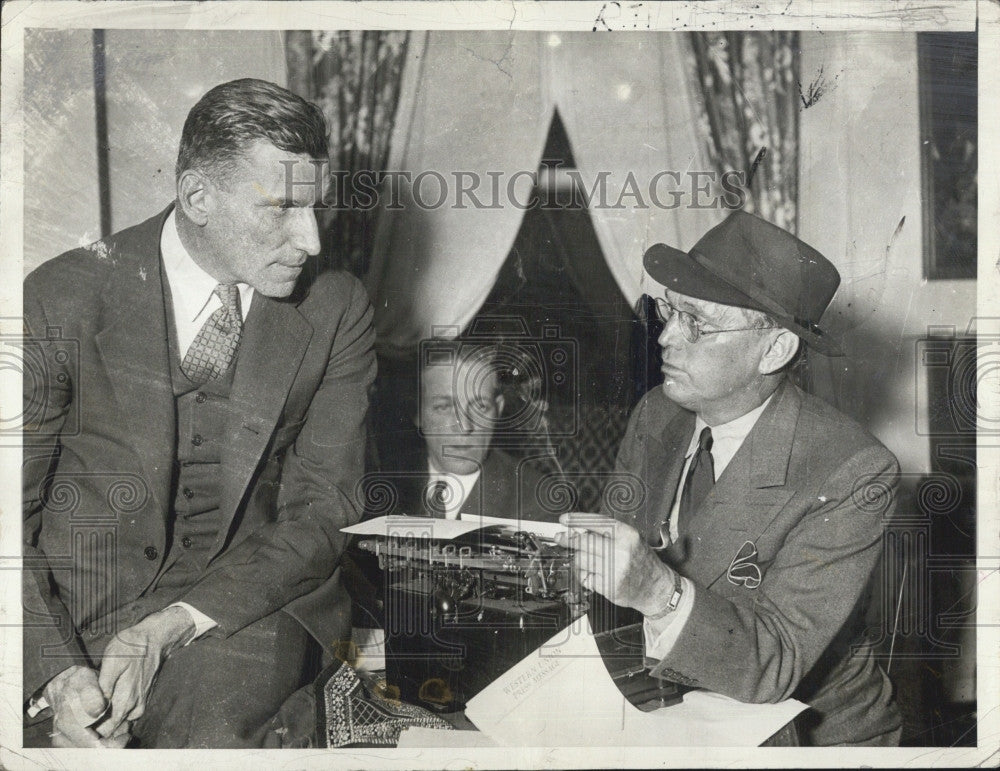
x,y
675,599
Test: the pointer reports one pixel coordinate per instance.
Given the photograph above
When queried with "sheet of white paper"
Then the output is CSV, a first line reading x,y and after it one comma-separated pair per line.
x,y
562,695
403,526
433,737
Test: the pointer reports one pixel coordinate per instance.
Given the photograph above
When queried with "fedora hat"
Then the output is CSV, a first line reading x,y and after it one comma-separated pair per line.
x,y
748,262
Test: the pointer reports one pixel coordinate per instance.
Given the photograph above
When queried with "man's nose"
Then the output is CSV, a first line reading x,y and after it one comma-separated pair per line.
x,y
465,422
305,231
671,334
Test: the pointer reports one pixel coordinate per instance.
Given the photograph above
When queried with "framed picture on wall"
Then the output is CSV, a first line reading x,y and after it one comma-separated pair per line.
x,y
948,96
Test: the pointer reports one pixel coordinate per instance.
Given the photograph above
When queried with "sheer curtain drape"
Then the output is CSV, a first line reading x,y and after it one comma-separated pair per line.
x,y
482,103
642,111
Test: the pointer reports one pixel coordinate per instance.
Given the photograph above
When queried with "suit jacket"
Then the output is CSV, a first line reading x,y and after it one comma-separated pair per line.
x,y
101,443
810,490
505,488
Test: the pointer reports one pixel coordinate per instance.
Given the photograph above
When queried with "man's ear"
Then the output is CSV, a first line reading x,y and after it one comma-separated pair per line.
x,y
499,402
194,196
781,351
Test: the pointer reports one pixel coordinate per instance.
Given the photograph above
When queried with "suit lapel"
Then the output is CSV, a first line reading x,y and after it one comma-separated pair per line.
x,y
134,350
473,505
275,338
748,495
665,460
495,491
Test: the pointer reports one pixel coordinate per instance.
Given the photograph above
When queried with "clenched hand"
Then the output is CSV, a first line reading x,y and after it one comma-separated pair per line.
x,y
77,702
133,658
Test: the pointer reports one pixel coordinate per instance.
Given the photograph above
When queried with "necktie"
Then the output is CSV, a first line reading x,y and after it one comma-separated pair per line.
x,y
699,481
437,497
214,347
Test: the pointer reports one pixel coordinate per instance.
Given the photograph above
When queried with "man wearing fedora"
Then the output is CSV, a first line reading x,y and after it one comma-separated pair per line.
x,y
760,517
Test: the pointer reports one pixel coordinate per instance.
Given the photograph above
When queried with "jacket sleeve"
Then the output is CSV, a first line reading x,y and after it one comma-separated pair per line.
x,y
759,649
50,642
298,551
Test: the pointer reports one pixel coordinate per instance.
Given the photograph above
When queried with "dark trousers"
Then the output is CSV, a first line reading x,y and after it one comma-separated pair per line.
x,y
219,693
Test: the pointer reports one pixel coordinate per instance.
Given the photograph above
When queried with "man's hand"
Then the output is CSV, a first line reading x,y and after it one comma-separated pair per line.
x,y
77,702
612,559
132,660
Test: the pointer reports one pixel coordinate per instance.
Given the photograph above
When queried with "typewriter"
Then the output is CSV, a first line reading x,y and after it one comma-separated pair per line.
x,y
459,613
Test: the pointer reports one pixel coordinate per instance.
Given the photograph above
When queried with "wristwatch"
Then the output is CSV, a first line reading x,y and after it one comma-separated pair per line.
x,y
675,599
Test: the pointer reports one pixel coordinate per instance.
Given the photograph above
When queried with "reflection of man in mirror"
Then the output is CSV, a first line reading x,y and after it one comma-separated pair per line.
x,y
460,407
764,506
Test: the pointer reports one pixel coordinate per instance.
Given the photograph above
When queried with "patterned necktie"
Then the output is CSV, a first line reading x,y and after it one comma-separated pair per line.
x,y
437,498
214,347
699,481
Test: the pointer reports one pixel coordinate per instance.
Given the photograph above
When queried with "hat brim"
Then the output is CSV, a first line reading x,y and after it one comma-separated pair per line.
x,y
684,273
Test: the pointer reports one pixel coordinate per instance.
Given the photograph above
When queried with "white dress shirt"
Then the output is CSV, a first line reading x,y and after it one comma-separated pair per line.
x,y
459,487
192,290
192,294
662,633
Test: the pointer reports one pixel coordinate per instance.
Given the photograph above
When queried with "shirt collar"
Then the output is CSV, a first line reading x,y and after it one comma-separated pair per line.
x,y
465,481
737,428
191,287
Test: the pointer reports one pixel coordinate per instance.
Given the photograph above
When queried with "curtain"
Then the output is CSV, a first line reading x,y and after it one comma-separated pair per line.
x,y
472,104
748,107
354,76
747,102
484,101
634,105
629,116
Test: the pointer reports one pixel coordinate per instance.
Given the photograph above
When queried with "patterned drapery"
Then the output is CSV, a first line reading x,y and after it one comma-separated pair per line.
x,y
746,89
354,76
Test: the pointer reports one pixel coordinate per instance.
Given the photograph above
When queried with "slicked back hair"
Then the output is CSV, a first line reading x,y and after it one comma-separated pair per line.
x,y
234,115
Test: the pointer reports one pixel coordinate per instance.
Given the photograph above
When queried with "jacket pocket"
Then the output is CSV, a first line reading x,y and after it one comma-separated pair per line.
x,y
285,436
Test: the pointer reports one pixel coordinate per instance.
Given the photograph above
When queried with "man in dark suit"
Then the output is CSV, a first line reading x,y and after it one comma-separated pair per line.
x,y
194,441
761,515
460,407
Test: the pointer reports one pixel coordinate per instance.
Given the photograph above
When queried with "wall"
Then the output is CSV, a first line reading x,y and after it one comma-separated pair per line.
x,y
861,206
859,178
153,77
60,145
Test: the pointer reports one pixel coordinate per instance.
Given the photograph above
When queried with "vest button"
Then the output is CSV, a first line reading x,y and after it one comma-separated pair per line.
x,y
186,542
188,493
151,553
196,440
201,397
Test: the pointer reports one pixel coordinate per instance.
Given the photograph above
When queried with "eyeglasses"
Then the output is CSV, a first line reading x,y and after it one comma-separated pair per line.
x,y
691,327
